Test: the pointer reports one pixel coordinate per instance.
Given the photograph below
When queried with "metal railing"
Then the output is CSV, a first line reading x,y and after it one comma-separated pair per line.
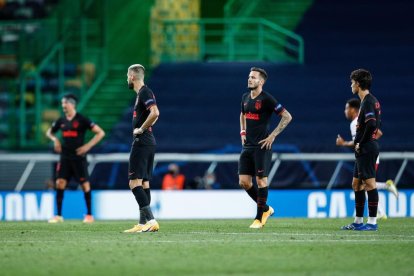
x,y
32,159
74,41
227,39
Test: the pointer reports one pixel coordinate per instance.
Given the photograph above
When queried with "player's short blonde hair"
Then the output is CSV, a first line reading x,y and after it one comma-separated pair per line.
x,y
138,70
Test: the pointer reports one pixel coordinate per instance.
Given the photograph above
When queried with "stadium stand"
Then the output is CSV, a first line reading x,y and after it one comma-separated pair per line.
x,y
199,102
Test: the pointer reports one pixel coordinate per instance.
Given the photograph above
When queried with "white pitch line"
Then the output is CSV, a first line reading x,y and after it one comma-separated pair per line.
x,y
301,234
221,241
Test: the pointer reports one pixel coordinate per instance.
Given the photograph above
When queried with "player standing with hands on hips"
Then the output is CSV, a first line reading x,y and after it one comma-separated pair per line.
x,y
73,151
141,159
257,107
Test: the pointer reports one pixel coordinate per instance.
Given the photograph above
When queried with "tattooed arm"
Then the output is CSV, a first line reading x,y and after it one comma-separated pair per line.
x,y
285,120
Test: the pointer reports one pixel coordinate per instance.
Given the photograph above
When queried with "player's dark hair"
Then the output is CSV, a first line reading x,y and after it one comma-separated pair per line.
x,y
354,103
70,96
363,77
262,72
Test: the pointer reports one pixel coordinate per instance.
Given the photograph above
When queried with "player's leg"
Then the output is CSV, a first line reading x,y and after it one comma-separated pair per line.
x,y
262,159
146,187
246,171
368,177
381,214
80,169
63,174
86,187
151,225
135,184
359,193
389,186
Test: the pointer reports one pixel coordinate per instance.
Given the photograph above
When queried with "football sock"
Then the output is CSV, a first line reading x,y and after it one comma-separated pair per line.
x,y
359,203
252,192
382,186
261,201
359,220
372,206
59,200
142,217
142,200
88,200
147,213
148,193
140,196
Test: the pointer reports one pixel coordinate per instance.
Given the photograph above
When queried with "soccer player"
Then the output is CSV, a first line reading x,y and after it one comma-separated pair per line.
x,y
257,107
366,152
141,159
73,151
351,113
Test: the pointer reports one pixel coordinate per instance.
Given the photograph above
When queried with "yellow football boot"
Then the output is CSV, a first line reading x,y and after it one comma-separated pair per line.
x,y
136,229
256,224
151,226
267,214
56,219
88,219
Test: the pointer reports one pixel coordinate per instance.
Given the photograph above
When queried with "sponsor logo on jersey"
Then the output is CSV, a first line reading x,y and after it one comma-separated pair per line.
x,y
252,116
70,133
75,124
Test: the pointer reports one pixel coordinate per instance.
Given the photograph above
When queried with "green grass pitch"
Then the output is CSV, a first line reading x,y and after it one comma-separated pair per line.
x,y
207,247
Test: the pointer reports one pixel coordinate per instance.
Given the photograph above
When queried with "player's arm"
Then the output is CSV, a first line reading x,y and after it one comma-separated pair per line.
x,y
340,142
150,121
243,128
56,143
99,134
286,118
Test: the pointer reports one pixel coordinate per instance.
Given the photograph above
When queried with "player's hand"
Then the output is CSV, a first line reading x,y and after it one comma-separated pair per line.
x,y
357,148
82,150
138,131
57,146
267,143
340,141
243,139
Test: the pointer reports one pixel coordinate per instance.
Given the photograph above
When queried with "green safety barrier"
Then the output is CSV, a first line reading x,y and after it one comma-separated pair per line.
x,y
228,39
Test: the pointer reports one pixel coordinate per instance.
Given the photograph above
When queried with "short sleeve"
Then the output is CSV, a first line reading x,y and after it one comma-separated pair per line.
x,y
88,123
147,98
369,111
275,106
242,110
56,125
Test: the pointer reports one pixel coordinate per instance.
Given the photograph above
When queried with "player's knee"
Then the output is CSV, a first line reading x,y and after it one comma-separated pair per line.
x,y
261,182
61,184
245,184
86,187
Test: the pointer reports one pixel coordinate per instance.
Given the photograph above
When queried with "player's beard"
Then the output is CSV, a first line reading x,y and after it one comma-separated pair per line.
x,y
252,87
131,85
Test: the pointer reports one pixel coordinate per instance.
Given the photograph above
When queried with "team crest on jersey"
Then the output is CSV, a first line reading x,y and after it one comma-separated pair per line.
x,y
75,124
258,105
